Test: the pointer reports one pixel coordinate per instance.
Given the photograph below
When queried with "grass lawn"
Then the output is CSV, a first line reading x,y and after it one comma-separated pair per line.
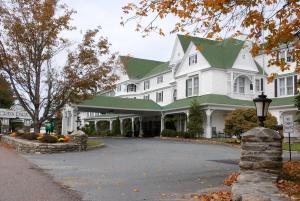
x,y
294,147
93,142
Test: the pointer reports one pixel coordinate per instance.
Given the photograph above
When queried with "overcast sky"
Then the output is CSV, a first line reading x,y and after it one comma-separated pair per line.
x,y
107,14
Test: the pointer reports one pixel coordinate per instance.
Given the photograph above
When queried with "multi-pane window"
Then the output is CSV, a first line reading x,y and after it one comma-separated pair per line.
x,y
192,59
257,85
160,96
281,86
146,84
160,79
289,85
192,86
286,86
239,85
131,88
146,97
285,55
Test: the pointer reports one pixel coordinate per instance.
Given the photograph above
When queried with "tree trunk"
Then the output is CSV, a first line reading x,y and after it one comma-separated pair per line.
x,y
36,123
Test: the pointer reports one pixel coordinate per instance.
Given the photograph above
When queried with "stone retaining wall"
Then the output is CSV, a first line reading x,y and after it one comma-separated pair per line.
x,y
260,164
35,147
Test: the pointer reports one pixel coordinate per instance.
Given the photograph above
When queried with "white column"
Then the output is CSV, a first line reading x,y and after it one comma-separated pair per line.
x,y
132,126
208,113
186,121
162,122
141,127
96,128
110,124
121,126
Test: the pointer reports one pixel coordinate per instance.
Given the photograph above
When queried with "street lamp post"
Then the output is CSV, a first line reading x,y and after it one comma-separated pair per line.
x,y
262,104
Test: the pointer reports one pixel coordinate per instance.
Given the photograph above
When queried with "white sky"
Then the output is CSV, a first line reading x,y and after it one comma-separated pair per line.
x,y
107,14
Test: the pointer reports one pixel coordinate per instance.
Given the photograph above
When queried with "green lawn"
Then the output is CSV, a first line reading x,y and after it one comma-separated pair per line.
x,y
294,147
93,142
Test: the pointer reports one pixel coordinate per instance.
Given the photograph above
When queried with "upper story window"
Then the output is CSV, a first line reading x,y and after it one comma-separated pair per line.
x,y
239,85
146,84
160,79
147,97
257,85
119,87
131,88
192,86
160,96
285,86
285,55
192,59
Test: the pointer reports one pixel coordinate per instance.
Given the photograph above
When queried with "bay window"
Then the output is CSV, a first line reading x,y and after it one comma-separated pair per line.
x,y
239,85
286,86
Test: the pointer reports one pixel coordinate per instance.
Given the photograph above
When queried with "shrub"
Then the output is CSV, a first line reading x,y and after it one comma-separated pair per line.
x,y
29,136
116,127
48,139
242,120
169,133
127,128
89,129
195,121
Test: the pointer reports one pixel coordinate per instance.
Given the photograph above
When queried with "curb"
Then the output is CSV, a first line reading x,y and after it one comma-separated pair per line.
x,y
96,147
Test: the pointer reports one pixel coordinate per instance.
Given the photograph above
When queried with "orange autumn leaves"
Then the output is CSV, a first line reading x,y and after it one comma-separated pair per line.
x,y
269,23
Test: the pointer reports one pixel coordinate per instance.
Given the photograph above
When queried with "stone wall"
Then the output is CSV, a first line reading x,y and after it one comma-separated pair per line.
x,y
260,164
35,147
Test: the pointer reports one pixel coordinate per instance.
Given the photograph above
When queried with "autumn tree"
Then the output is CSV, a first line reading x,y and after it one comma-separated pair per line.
x,y
242,120
268,23
32,39
6,93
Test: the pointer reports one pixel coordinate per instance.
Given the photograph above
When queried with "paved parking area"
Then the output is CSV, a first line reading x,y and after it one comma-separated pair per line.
x,y
140,169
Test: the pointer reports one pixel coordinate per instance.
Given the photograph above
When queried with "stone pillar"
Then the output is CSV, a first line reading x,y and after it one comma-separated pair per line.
x,y
208,113
260,164
132,126
261,150
110,125
79,138
141,127
121,126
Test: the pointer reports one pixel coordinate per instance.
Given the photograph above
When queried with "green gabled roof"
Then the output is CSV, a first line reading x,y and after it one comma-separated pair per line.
x,y
121,103
208,99
283,101
137,68
163,67
219,54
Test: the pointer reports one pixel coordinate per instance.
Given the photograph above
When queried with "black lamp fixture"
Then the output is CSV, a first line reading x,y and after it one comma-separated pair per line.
x,y
78,121
262,104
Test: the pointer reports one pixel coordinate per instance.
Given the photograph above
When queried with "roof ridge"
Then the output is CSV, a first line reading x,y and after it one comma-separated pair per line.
x,y
142,58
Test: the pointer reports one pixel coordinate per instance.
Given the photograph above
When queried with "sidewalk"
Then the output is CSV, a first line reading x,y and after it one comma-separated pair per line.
x,y
22,181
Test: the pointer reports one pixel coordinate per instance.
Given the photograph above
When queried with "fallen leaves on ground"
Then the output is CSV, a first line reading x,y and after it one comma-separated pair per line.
x,y
228,181
136,190
214,196
290,182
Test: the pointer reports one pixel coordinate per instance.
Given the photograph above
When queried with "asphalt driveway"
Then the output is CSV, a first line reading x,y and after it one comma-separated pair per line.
x,y
140,169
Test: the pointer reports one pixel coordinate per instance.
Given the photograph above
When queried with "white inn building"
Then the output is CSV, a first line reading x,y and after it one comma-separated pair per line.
x,y
221,75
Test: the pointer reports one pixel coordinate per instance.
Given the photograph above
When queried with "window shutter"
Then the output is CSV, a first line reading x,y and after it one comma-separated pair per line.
x,y
196,58
275,84
262,84
189,61
162,96
144,85
295,84
156,97
186,88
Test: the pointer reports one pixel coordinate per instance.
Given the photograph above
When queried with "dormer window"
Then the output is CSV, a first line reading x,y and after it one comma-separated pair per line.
x,y
193,59
146,84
